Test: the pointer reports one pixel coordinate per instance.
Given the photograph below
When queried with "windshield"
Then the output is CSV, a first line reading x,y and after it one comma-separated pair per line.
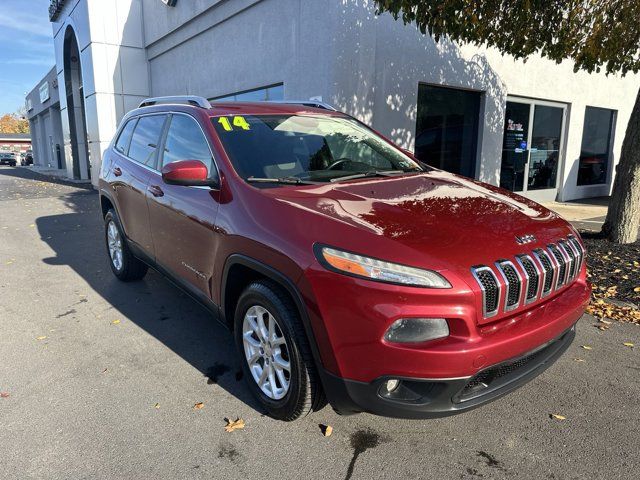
x,y
310,148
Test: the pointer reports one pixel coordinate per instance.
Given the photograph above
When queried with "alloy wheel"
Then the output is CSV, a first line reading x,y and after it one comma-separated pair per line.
x,y
114,242
266,352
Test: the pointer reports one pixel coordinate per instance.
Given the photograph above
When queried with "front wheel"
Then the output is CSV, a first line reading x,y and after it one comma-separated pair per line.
x,y
276,357
123,264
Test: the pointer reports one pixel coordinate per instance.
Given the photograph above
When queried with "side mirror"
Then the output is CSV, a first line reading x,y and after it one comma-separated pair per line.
x,y
187,173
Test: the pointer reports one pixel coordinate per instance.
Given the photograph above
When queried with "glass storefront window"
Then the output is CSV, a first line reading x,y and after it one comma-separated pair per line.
x,y
597,136
447,128
514,146
532,146
545,147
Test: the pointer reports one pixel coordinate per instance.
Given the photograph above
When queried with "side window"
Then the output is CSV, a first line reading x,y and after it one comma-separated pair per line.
x,y
185,141
122,145
145,139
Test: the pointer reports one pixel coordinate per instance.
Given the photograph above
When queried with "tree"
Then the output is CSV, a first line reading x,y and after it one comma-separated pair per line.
x,y
596,35
12,123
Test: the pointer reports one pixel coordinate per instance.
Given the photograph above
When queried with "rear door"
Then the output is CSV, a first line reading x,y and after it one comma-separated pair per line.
x,y
183,218
134,163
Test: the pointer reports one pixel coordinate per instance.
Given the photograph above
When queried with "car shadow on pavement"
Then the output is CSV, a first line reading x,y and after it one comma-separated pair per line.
x,y
154,304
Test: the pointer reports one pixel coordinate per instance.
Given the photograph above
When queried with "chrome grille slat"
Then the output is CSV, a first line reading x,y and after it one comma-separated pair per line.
x,y
532,277
549,271
513,282
490,287
573,253
569,258
561,265
579,251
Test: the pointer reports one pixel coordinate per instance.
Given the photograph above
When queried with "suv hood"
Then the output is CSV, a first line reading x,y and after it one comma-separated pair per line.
x,y
431,213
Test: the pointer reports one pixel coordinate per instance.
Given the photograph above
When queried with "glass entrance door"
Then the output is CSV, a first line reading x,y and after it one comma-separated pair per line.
x,y
532,148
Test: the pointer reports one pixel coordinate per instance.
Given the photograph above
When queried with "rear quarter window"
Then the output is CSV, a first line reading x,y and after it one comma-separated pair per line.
x,y
124,139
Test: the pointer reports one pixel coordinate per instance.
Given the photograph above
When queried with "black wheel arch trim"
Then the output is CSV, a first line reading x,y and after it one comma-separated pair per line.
x,y
290,287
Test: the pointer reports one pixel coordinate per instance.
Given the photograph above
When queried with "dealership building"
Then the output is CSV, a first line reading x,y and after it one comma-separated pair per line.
x,y
533,127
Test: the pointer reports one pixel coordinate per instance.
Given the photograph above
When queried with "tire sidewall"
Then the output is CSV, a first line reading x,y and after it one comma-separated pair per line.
x,y
259,294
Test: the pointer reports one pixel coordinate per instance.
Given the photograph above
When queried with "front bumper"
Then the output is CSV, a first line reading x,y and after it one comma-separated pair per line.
x,y
428,398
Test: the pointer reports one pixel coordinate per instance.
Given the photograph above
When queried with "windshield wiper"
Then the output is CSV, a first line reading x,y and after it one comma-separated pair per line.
x,y
372,173
286,180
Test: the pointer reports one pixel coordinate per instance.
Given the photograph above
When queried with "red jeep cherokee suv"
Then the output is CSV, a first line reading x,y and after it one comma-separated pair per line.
x,y
346,269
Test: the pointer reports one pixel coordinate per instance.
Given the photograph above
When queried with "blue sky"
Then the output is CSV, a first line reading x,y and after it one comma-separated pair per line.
x,y
26,49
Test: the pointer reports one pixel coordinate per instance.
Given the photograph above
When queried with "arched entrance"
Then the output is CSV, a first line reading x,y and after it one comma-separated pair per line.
x,y
75,106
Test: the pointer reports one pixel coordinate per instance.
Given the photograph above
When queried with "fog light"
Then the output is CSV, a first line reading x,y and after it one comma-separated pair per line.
x,y
415,330
392,384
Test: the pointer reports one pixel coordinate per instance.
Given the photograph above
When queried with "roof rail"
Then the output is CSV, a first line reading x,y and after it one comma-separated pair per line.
x,y
306,103
178,99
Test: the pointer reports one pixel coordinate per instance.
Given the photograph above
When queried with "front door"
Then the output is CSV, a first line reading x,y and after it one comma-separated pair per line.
x,y
532,148
183,218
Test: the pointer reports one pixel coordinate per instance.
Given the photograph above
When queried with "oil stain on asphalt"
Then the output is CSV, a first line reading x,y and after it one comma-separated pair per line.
x,y
361,441
490,460
227,450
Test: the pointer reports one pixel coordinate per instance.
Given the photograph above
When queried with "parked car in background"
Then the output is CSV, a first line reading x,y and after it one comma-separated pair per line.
x,y
27,158
346,269
8,158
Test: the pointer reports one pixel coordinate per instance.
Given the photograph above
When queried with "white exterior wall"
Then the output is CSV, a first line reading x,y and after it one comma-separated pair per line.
x,y
114,69
367,66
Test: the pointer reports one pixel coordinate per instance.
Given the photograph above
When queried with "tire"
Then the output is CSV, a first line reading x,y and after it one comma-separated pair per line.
x,y
304,393
126,268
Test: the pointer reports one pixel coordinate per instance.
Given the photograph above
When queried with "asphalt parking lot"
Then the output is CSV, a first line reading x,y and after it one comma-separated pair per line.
x,y
100,379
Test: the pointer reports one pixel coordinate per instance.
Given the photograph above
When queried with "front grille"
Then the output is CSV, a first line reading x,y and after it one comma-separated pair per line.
x,y
513,283
490,289
533,276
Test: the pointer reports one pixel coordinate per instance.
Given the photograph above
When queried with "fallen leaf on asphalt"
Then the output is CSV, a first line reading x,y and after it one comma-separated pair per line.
x,y
637,289
157,405
558,417
42,337
606,322
579,359
115,322
628,344
198,406
4,394
232,425
32,225
326,430
586,347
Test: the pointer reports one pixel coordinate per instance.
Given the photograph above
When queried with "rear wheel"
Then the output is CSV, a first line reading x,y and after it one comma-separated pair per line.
x,y
276,358
123,264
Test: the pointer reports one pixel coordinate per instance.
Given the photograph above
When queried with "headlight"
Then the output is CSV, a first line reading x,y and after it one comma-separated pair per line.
x,y
378,270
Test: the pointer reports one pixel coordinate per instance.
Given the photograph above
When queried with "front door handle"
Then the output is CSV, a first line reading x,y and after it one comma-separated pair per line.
x,y
156,191
117,172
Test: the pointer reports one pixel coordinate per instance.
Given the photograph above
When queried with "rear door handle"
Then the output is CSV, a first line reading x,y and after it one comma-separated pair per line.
x,y
117,171
156,191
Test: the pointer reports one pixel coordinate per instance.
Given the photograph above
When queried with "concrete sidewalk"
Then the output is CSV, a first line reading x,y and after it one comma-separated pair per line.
x,y
586,214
